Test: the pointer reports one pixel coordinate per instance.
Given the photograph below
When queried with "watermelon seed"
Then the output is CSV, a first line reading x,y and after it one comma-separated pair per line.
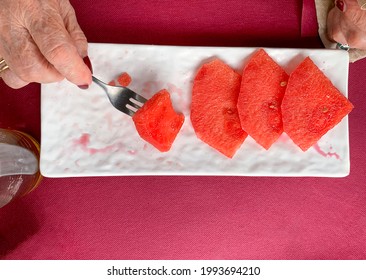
x,y
325,109
272,105
283,83
228,111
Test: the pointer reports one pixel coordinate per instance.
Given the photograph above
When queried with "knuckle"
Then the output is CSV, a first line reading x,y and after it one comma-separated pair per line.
x,y
36,71
59,54
82,47
356,16
64,59
43,24
52,39
80,38
69,11
28,71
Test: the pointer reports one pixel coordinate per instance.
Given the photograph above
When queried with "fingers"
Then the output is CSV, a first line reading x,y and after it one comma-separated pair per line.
x,y
72,26
347,25
334,29
47,46
25,60
12,80
352,38
59,48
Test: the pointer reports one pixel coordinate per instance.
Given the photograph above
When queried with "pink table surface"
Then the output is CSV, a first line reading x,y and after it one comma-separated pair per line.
x,y
190,217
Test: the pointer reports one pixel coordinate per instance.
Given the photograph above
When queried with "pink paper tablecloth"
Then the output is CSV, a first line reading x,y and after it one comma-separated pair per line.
x,y
190,217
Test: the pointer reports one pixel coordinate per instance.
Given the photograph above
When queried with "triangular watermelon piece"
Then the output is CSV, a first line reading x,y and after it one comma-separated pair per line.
x,y
312,105
259,104
214,114
157,122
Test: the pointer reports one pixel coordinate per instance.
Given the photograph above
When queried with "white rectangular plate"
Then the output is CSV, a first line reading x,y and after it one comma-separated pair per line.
x,y
84,135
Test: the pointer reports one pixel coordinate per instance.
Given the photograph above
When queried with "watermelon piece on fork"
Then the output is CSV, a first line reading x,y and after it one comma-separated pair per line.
x,y
157,122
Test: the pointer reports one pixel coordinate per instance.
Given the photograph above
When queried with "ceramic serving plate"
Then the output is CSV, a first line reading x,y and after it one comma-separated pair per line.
x,y
84,135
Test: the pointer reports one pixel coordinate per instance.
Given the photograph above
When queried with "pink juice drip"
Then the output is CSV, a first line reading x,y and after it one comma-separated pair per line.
x,y
325,154
84,142
174,89
132,152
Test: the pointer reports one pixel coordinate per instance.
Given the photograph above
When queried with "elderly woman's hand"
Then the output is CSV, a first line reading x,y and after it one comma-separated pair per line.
x,y
347,24
41,41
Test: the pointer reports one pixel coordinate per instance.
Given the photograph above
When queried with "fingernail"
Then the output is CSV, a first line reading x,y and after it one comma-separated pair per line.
x,y
340,5
84,86
88,63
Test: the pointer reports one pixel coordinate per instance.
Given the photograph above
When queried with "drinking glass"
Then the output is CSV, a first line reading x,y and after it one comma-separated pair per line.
x,y
19,165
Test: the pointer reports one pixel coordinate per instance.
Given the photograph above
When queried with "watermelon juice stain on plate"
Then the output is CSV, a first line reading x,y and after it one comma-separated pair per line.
x,y
132,152
173,89
326,154
84,143
151,87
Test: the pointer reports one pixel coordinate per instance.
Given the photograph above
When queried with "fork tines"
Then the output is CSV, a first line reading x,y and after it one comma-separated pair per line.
x,y
122,98
134,102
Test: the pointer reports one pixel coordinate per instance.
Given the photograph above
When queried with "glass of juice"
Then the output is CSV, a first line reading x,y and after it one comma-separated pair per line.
x,y
19,165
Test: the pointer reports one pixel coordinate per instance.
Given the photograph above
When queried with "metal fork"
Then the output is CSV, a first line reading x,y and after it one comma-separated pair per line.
x,y
122,98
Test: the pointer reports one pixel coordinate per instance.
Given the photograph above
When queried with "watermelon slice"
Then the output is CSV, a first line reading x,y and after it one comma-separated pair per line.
x,y
214,114
157,122
259,104
312,105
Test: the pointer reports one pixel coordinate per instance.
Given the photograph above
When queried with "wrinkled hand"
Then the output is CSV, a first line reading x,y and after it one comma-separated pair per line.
x,y
347,24
41,41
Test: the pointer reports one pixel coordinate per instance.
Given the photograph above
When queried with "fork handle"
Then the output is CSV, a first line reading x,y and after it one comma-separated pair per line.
x,y
99,83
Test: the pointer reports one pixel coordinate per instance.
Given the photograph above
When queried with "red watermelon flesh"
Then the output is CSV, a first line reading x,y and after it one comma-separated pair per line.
x,y
124,79
312,105
259,104
214,114
157,122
